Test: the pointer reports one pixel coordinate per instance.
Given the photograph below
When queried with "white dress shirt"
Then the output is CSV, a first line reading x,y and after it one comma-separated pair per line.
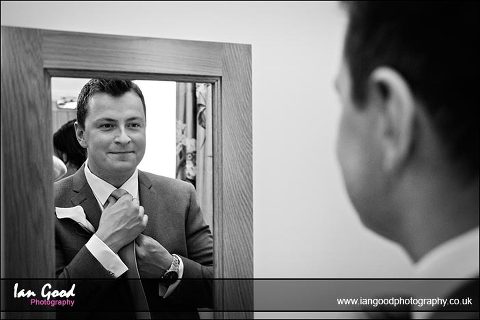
x,y
107,258
455,258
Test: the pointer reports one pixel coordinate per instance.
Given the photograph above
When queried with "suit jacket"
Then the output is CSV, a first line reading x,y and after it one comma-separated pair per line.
x,y
468,290
174,220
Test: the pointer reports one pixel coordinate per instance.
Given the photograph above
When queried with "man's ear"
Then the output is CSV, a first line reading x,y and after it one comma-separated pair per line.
x,y
80,133
397,116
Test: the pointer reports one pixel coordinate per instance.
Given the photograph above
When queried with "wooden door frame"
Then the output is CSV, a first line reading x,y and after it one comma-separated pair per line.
x,y
30,57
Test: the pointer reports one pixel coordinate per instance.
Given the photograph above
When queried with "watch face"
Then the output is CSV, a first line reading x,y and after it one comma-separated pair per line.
x,y
170,277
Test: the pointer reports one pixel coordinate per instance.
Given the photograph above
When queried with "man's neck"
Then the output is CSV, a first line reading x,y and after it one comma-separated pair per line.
x,y
115,179
441,212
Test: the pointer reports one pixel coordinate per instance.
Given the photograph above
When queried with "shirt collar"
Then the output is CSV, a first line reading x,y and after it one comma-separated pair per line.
x,y
102,189
455,258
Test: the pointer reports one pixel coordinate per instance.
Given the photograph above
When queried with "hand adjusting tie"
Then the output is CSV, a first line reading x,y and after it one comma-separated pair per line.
x,y
128,256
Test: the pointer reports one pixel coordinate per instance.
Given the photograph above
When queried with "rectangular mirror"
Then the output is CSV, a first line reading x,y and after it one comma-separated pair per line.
x,y
32,57
179,132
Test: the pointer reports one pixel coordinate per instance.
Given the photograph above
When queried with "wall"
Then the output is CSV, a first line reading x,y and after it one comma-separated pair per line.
x,y
304,225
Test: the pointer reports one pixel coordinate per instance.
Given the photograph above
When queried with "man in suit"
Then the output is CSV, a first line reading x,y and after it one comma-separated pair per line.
x,y
408,135
110,213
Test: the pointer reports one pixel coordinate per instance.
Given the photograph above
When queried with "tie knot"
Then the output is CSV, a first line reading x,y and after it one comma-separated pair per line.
x,y
114,196
117,194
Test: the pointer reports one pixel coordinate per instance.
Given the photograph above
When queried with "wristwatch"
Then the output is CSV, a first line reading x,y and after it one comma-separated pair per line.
x,y
171,275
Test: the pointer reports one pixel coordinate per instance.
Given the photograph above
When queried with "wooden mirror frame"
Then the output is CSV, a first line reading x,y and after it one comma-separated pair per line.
x,y
30,57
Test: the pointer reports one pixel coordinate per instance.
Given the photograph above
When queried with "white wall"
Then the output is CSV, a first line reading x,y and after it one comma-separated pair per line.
x,y
304,225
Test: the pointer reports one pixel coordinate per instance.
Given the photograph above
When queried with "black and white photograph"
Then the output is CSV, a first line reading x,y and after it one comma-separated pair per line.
x,y
239,160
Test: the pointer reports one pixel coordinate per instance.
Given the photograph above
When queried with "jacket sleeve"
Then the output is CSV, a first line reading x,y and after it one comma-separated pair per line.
x,y
79,267
196,284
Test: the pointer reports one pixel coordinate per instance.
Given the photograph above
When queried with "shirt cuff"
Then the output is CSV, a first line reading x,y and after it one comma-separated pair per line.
x,y
164,291
107,258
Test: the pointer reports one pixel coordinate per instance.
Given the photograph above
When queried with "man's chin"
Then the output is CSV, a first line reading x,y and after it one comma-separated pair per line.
x,y
123,167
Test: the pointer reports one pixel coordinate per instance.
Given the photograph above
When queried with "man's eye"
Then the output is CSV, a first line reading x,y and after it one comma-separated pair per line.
x,y
106,126
134,125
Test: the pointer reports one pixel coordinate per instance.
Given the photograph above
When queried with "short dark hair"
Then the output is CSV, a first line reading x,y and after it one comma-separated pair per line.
x,y
112,87
65,143
434,46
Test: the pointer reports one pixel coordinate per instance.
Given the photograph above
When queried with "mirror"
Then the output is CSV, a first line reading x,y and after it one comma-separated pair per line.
x,y
178,134
31,57
178,131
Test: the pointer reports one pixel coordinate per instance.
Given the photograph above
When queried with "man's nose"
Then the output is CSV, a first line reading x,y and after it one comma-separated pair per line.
x,y
122,136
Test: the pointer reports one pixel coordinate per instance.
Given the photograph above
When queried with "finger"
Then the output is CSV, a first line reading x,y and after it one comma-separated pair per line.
x,y
141,211
126,197
136,202
138,241
110,203
145,220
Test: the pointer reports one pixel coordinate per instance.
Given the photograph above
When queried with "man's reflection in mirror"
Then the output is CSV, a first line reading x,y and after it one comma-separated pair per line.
x,y
116,207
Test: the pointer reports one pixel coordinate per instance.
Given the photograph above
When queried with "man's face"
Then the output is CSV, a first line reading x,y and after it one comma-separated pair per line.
x,y
358,152
114,134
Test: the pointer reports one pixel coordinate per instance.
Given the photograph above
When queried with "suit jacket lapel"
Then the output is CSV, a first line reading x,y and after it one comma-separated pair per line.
x,y
155,208
83,196
148,196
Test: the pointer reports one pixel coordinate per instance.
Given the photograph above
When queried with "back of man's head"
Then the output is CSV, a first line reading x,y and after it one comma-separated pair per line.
x,y
112,87
66,145
434,46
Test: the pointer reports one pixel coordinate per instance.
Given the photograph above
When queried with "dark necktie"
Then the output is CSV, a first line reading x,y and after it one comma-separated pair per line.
x,y
128,256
